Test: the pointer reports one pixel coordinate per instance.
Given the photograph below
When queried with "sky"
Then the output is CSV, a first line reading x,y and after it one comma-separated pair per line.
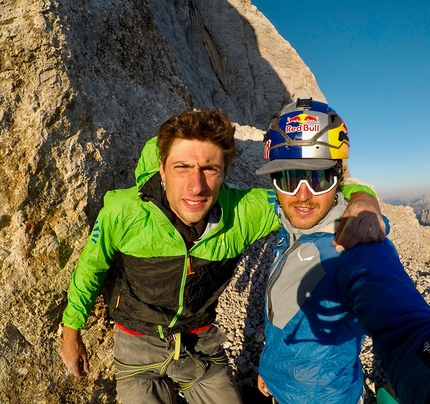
x,y
371,60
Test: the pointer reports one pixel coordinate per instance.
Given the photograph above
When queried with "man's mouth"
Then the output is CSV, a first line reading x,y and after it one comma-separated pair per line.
x,y
304,209
193,203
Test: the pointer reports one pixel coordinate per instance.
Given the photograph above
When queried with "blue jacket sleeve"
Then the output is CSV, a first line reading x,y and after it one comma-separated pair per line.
x,y
392,312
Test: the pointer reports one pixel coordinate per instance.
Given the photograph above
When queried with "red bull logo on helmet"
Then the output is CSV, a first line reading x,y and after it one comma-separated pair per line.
x,y
306,123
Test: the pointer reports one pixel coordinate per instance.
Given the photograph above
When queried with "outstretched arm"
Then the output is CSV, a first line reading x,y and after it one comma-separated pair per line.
x,y
393,312
361,222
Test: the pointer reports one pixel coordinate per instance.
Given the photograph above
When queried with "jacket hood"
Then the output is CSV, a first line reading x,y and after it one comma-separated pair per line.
x,y
148,163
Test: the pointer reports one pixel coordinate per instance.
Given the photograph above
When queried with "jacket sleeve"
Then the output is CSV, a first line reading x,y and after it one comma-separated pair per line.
x,y
396,316
91,271
349,189
254,212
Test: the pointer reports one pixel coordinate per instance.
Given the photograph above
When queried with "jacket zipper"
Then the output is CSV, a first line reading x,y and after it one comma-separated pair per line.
x,y
187,270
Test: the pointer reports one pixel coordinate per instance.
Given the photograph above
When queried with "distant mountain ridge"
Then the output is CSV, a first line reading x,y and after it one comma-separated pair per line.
x,y
420,206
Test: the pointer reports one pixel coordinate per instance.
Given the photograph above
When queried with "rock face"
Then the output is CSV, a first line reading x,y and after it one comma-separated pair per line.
x,y
424,217
420,206
422,209
82,86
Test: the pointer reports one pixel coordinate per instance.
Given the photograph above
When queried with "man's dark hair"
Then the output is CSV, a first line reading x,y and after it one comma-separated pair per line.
x,y
341,175
204,125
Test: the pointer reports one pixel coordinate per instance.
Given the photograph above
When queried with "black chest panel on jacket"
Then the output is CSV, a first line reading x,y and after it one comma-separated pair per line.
x,y
148,292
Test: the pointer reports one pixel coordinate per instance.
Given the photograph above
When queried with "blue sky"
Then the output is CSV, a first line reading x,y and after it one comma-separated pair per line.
x,y
372,63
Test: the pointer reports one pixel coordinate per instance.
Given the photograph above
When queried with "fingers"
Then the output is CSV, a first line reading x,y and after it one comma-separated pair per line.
x,y
362,229
86,365
361,222
262,386
374,234
78,367
352,232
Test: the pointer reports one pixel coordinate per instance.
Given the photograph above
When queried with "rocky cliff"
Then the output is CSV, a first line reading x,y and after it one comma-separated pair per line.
x,y
420,206
83,84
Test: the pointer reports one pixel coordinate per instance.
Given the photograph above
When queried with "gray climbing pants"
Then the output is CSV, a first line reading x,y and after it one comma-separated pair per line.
x,y
150,370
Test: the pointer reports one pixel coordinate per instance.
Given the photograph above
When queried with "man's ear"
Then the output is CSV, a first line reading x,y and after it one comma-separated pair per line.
x,y
163,176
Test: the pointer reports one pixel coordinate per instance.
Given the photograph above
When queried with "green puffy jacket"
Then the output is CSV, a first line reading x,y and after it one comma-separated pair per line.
x,y
164,288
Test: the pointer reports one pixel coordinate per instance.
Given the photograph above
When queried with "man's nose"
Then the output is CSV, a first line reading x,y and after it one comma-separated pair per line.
x,y
196,182
304,193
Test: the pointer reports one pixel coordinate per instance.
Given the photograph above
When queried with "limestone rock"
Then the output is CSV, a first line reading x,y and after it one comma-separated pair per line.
x,y
82,86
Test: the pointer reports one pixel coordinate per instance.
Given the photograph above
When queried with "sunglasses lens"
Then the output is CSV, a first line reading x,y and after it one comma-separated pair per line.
x,y
318,181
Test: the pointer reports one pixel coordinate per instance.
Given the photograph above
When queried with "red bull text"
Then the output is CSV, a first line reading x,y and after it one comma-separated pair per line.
x,y
302,128
305,123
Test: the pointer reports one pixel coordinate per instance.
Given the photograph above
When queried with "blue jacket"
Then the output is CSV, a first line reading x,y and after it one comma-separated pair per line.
x,y
320,304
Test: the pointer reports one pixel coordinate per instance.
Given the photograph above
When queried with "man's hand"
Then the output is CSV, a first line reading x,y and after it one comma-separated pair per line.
x,y
360,223
262,386
74,353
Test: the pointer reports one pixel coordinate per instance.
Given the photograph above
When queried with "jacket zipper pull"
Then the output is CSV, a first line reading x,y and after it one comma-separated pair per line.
x,y
189,270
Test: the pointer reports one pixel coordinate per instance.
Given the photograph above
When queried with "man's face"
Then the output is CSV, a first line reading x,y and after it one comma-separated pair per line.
x,y
304,209
193,173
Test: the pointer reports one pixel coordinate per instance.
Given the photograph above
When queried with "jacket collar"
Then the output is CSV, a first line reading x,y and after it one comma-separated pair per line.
x,y
153,191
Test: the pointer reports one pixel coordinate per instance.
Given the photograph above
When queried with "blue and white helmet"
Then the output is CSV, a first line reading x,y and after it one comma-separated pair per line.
x,y
305,135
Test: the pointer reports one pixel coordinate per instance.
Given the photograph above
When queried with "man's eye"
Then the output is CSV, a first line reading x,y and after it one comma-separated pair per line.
x,y
211,171
181,168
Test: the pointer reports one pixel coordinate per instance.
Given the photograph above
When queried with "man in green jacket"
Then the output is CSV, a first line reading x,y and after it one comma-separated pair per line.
x,y
179,233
